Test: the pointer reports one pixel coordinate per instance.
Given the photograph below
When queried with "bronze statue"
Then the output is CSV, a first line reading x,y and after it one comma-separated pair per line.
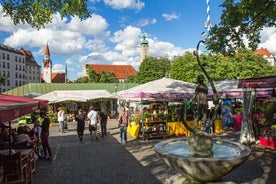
x,y
201,93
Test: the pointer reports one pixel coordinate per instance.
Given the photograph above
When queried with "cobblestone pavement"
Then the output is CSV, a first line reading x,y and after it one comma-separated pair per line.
x,y
108,162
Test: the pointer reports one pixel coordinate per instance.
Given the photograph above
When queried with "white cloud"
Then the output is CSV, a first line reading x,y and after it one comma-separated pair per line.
x,y
169,17
58,68
127,40
95,25
268,39
125,4
146,21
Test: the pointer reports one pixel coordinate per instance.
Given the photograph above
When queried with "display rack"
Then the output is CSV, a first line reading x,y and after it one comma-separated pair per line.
x,y
153,129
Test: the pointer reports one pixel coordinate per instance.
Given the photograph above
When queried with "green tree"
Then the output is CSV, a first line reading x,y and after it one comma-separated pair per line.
x,y
38,13
107,77
243,19
82,80
92,75
245,64
152,69
185,68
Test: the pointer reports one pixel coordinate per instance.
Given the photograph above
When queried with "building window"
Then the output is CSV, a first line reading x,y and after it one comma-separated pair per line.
x,y
8,65
4,73
16,83
3,56
16,75
3,65
15,58
8,83
8,57
8,74
16,68
19,59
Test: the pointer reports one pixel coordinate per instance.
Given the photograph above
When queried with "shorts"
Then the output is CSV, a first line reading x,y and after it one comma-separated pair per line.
x,y
92,127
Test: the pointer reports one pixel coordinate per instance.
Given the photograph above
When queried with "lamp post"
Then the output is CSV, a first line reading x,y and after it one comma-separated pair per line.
x,y
116,90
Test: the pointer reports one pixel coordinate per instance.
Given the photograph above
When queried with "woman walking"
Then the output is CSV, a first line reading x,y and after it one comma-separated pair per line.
x,y
123,122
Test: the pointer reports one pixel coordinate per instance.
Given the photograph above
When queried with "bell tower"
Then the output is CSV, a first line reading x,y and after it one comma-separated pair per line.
x,y
47,66
144,48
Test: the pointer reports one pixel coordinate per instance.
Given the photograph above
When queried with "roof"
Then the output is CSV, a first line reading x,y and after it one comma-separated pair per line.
x,y
37,89
263,51
47,51
29,57
120,71
56,77
74,95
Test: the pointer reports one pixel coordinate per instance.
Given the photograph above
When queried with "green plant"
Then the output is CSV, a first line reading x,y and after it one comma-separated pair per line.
x,y
239,111
269,110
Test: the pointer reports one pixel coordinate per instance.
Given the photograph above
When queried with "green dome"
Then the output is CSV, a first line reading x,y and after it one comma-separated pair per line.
x,y
144,41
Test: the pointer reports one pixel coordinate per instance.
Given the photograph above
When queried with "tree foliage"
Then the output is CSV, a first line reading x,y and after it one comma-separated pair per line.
x,y
244,64
103,77
152,69
241,20
107,77
38,13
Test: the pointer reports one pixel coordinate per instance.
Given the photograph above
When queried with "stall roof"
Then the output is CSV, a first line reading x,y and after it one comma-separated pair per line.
x,y
261,82
12,107
74,95
161,89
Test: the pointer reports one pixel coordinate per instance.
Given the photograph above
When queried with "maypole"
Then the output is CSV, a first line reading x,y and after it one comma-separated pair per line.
x,y
208,23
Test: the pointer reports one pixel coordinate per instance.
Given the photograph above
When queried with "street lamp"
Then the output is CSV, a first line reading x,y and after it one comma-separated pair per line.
x,y
116,88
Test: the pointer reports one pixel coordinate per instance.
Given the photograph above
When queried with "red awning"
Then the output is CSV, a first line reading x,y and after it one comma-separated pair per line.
x,y
12,107
262,82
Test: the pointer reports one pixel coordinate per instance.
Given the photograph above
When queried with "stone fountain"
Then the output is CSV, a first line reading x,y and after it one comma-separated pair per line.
x,y
202,157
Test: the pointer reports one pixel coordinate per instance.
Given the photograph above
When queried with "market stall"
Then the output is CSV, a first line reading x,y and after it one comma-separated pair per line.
x,y
154,106
12,107
264,108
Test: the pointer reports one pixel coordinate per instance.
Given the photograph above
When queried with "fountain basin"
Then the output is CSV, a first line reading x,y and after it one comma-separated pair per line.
x,y
227,155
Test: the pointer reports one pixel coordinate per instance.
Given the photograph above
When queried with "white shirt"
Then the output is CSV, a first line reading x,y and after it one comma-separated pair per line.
x,y
61,115
92,116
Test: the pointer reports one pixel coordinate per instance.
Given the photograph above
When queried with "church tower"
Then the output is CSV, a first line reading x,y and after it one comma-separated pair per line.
x,y
144,48
47,66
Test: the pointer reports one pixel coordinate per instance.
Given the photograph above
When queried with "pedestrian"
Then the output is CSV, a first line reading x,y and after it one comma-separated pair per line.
x,y
93,121
123,122
61,119
45,135
80,118
103,117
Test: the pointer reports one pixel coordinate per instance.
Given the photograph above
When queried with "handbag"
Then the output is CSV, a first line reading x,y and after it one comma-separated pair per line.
x,y
120,121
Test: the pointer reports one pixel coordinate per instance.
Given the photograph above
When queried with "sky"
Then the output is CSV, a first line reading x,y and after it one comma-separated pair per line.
x,y
113,33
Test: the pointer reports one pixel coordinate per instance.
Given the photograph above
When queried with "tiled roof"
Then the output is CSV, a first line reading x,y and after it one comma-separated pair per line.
x,y
263,51
56,77
37,89
29,57
120,71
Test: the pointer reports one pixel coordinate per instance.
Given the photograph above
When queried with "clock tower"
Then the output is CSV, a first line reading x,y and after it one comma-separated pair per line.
x,y
47,66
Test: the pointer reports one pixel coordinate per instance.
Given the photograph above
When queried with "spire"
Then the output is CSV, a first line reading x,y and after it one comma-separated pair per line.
x,y
47,51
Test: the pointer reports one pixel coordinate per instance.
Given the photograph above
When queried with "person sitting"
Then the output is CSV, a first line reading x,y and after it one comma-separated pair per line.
x,y
22,140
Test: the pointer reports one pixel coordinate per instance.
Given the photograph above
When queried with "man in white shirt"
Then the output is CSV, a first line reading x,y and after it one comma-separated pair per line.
x,y
61,118
93,121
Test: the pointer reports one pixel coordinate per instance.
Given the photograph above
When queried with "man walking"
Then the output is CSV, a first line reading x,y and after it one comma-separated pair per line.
x,y
61,118
92,120
103,117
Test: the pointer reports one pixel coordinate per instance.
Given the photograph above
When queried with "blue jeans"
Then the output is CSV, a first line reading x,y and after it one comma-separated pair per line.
x,y
61,126
123,134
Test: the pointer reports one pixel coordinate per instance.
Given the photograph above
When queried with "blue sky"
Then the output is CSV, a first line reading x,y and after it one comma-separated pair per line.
x,y
113,33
